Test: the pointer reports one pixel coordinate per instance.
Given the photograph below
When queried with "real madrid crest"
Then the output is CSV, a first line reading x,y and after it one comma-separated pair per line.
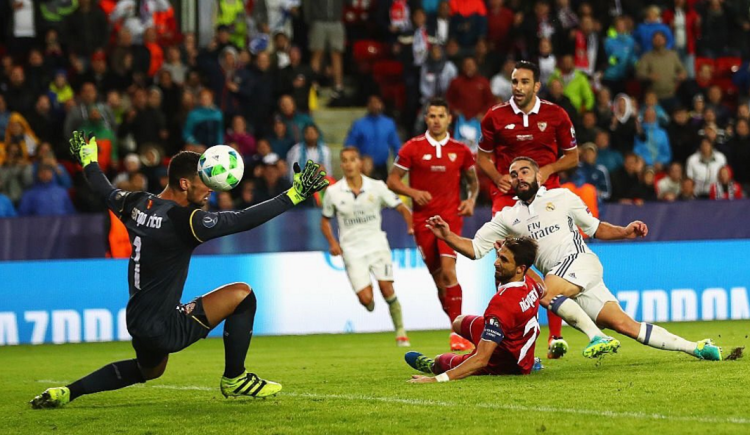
x,y
550,206
542,125
452,156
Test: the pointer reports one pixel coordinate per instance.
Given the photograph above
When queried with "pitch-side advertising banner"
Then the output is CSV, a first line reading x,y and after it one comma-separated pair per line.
x,y
303,293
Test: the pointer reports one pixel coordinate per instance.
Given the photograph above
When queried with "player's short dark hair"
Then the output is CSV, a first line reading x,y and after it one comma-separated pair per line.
x,y
183,165
524,250
438,102
533,162
531,66
349,149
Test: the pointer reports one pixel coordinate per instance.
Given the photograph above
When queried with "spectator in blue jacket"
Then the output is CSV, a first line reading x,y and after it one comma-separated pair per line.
x,y
205,124
621,57
652,141
45,198
294,120
374,135
45,156
589,171
651,24
605,155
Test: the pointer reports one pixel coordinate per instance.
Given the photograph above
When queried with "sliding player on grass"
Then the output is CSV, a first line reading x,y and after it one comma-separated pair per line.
x,y
573,274
164,230
505,336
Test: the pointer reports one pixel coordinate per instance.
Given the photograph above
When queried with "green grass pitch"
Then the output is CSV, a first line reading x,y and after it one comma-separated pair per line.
x,y
357,384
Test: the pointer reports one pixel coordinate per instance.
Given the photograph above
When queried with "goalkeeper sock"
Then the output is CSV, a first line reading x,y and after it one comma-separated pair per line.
x,y
113,376
394,306
238,331
659,338
575,316
453,300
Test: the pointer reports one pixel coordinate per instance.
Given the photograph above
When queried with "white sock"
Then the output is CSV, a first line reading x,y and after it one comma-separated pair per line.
x,y
659,338
574,315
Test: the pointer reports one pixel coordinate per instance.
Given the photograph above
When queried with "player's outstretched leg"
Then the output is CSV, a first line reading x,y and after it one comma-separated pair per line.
x,y
612,317
418,361
556,346
599,343
394,306
237,304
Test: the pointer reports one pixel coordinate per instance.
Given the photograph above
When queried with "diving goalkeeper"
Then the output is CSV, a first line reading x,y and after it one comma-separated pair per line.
x,y
164,230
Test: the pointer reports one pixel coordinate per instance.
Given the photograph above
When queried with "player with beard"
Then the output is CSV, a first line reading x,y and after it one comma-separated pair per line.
x,y
573,273
164,230
505,335
527,126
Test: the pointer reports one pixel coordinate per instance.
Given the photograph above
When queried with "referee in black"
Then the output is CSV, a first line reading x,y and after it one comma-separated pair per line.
x,y
164,230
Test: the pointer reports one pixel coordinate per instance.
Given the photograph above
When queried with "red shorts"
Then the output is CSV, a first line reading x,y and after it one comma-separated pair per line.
x,y
501,362
433,248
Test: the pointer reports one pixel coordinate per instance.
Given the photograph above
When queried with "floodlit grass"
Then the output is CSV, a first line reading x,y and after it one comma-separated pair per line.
x,y
357,384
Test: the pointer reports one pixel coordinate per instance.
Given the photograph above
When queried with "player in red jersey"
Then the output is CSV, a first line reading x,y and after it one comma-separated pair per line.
x,y
506,334
436,164
527,126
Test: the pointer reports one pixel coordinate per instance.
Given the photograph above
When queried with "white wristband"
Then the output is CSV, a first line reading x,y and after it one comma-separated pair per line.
x,y
442,377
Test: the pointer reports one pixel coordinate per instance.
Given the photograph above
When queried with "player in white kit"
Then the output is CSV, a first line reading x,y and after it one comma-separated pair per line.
x,y
356,201
573,274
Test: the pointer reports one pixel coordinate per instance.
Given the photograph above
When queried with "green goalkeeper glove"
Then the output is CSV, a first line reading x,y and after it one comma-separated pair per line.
x,y
84,152
306,182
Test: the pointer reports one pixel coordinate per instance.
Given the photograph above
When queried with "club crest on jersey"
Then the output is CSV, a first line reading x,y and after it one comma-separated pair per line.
x,y
427,157
452,156
542,125
550,206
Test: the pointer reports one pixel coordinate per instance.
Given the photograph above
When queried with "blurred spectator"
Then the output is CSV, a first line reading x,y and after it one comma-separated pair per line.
x,y
725,187
698,106
687,191
565,14
662,70
556,95
204,124
412,49
171,94
37,73
231,13
271,181
176,127
102,77
174,65
696,86
714,101
589,52
247,195
232,86
86,29
684,22
137,15
623,129
499,22
589,171
23,26
437,74
4,116
60,91
713,131
468,21
296,79
739,153
605,155
375,135
53,52
279,141
652,142
576,85
669,187
439,24
530,28
45,198
651,101
717,27
127,59
294,120
6,206
16,173
238,134
326,30
145,123
651,25
620,50
156,58
54,13
648,186
703,167
281,48
469,95
263,94
280,15
603,108
627,187
393,18
488,63
19,95
586,131
500,85
224,201
19,132
311,148
683,135
46,156
547,61
80,113
131,165
44,123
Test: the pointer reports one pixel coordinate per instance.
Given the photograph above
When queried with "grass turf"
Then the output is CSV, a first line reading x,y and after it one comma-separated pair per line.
x,y
357,384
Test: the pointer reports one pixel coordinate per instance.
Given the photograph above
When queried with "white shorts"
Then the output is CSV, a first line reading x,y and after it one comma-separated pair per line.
x,y
359,268
586,271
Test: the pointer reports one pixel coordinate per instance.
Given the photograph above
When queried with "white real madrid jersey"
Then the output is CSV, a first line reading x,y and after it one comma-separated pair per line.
x,y
359,215
550,219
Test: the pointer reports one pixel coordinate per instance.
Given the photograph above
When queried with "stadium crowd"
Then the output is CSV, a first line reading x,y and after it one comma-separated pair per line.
x,y
658,91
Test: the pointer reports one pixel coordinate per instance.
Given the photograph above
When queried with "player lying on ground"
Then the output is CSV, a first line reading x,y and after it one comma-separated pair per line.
x,y
164,230
356,201
573,273
506,335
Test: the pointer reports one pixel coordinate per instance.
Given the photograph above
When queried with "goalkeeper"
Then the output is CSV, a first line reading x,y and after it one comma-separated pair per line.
x,y
164,230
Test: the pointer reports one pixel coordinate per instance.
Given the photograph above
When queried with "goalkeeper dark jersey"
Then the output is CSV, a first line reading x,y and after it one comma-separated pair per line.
x,y
163,235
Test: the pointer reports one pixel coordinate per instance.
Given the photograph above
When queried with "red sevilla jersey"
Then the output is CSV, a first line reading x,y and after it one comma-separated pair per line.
x,y
436,167
542,135
511,319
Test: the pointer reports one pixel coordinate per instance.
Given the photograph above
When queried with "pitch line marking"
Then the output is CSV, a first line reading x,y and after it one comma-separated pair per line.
x,y
497,406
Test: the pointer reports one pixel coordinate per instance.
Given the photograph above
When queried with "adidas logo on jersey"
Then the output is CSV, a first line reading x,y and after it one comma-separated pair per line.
x,y
516,222
572,275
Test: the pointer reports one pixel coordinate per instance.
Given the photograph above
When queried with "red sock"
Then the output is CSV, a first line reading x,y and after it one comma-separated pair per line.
x,y
555,324
443,305
453,299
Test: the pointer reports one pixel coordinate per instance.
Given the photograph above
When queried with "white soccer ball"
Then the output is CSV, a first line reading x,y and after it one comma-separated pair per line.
x,y
221,168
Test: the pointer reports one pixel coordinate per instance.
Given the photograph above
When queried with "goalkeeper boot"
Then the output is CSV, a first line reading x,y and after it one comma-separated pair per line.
x,y
55,397
601,346
707,350
248,384
420,362
557,348
460,344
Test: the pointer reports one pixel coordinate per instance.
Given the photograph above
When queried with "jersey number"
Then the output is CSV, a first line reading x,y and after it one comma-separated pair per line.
x,y
533,326
136,260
